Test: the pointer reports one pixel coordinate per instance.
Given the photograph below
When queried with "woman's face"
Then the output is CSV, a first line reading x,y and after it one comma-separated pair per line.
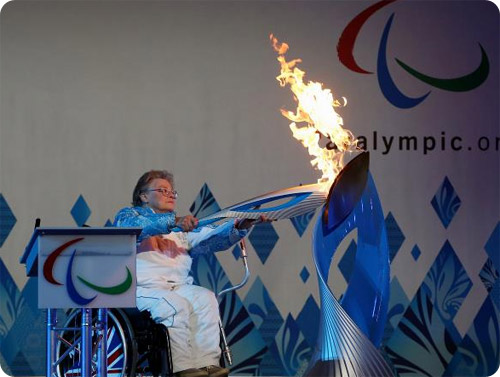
x,y
156,199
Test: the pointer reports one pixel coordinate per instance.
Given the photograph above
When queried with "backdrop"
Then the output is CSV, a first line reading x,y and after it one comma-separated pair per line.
x,y
95,93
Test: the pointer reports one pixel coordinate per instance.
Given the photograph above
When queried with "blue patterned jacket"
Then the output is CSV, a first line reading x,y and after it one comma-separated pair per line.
x,y
203,240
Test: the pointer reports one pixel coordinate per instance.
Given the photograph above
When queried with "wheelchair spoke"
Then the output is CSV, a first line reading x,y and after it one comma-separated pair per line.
x,y
71,347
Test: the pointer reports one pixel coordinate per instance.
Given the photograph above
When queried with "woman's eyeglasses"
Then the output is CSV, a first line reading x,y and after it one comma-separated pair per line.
x,y
165,192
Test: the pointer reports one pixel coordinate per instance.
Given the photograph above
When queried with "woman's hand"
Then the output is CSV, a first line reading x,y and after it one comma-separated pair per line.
x,y
187,223
248,223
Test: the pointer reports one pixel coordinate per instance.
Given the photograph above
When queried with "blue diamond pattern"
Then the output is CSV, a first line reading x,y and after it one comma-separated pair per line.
x,y
428,320
415,252
291,348
263,311
30,294
446,202
300,223
495,294
422,343
263,239
108,223
271,325
11,304
492,247
477,354
271,364
15,340
34,345
304,274
488,275
346,263
80,211
395,237
204,204
447,283
308,321
20,366
398,302
7,220
4,366
236,252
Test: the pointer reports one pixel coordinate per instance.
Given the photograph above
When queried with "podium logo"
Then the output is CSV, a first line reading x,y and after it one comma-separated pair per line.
x,y
76,297
387,85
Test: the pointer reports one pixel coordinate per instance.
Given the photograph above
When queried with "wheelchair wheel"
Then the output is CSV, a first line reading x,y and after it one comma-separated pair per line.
x,y
121,347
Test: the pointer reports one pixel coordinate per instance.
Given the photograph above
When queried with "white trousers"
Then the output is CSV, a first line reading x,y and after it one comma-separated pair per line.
x,y
191,314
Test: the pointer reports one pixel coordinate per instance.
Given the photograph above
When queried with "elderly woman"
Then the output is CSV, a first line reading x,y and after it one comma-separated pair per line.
x,y
164,286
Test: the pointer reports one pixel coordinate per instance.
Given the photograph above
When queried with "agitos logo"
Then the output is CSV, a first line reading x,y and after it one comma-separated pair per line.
x,y
389,89
48,267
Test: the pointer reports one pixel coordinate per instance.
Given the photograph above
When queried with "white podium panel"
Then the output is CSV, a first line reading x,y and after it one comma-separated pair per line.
x,y
86,270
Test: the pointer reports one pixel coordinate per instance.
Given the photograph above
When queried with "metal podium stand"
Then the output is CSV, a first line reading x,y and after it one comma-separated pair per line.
x,y
85,268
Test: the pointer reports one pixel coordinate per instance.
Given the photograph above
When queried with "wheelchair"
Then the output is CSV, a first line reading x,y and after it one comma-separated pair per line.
x,y
135,345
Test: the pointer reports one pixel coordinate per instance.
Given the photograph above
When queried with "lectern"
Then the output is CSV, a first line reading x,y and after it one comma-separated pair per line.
x,y
85,268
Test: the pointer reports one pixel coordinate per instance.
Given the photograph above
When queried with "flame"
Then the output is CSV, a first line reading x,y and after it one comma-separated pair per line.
x,y
315,107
